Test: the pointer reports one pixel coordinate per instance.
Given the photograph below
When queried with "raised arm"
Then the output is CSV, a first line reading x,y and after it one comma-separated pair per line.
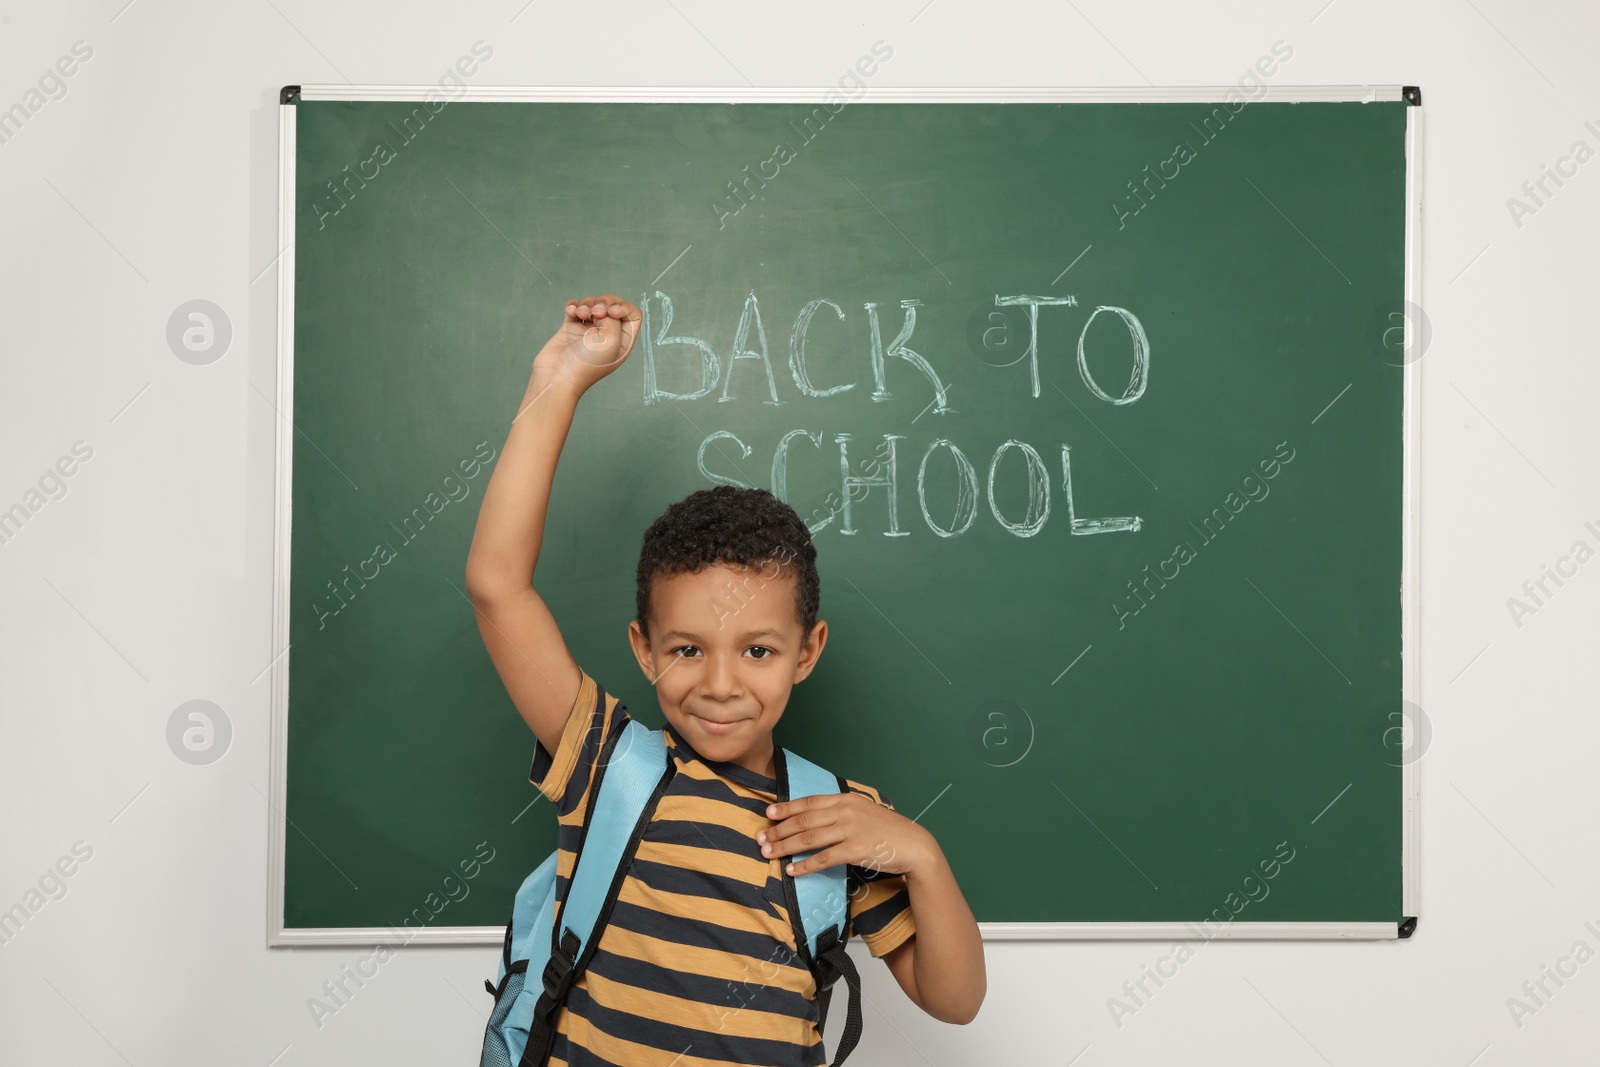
x,y
518,630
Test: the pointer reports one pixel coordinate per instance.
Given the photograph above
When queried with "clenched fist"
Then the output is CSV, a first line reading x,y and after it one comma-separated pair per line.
x,y
594,339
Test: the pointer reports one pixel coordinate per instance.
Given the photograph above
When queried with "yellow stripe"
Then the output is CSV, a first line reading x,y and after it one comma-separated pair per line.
x,y
706,809
710,963
900,930
872,794
566,754
732,1017
691,907
875,893
619,1050
695,769
751,870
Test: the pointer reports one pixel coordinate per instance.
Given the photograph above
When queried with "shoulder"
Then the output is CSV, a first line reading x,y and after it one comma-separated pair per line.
x,y
856,875
841,784
877,796
605,714
595,708
595,718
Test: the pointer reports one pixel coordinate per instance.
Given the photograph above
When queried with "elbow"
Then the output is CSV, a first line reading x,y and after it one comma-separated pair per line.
x,y
975,997
955,1018
478,577
486,583
479,589
957,1014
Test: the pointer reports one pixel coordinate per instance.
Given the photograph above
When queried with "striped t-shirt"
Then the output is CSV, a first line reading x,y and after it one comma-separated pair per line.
x,y
698,965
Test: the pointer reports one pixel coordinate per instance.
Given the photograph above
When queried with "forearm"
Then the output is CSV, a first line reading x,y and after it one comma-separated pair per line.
x,y
949,948
511,519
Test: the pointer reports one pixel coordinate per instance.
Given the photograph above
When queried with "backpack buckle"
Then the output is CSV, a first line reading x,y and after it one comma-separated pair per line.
x,y
557,975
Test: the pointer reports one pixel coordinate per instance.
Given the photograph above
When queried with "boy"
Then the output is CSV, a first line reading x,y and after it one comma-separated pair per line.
x,y
698,966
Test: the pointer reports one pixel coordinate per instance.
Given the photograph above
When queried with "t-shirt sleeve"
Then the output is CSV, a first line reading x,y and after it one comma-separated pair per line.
x,y
880,903
566,775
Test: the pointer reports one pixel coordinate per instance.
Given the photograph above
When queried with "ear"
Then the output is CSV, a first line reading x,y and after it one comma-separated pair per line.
x,y
811,650
641,650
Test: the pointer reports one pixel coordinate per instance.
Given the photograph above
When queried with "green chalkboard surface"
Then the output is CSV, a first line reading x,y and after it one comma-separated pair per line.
x,y
1089,406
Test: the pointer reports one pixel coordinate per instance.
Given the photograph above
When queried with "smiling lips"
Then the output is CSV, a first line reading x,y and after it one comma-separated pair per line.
x,y
713,726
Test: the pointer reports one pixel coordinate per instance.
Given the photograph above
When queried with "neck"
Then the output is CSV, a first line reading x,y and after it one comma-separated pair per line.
x,y
761,758
764,764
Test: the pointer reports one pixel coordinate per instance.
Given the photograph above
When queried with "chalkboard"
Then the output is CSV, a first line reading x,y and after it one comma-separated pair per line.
x,y
1098,412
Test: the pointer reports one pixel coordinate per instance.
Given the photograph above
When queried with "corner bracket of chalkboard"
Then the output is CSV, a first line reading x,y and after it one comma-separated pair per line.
x,y
289,94
1408,926
1413,96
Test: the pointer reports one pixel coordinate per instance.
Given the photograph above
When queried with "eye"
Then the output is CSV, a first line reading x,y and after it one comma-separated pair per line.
x,y
682,649
761,648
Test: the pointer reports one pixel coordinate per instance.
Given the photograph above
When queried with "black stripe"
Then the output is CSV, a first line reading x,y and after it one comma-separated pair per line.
x,y
716,789
711,1044
863,875
562,1049
667,878
880,916
717,836
699,933
747,990
743,775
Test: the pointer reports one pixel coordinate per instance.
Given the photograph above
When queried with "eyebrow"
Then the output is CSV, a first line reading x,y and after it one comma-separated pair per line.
x,y
745,636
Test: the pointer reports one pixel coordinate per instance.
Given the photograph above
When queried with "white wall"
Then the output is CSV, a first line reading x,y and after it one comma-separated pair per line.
x,y
152,182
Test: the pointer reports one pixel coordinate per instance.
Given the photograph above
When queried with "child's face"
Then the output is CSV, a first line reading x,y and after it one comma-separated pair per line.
x,y
725,648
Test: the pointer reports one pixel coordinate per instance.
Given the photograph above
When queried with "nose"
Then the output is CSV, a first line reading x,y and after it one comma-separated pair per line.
x,y
721,678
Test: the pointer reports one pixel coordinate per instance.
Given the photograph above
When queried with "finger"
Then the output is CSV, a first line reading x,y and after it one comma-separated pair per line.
x,y
785,818
793,807
821,861
606,305
789,837
794,824
790,845
632,321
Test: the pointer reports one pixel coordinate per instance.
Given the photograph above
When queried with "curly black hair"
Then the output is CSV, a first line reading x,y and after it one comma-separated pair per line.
x,y
734,525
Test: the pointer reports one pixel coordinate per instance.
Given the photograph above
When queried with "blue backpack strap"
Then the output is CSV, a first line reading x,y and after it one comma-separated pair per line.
x,y
822,895
628,785
820,904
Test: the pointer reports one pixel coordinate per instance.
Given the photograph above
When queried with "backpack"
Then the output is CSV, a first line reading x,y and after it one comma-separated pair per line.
x,y
634,768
